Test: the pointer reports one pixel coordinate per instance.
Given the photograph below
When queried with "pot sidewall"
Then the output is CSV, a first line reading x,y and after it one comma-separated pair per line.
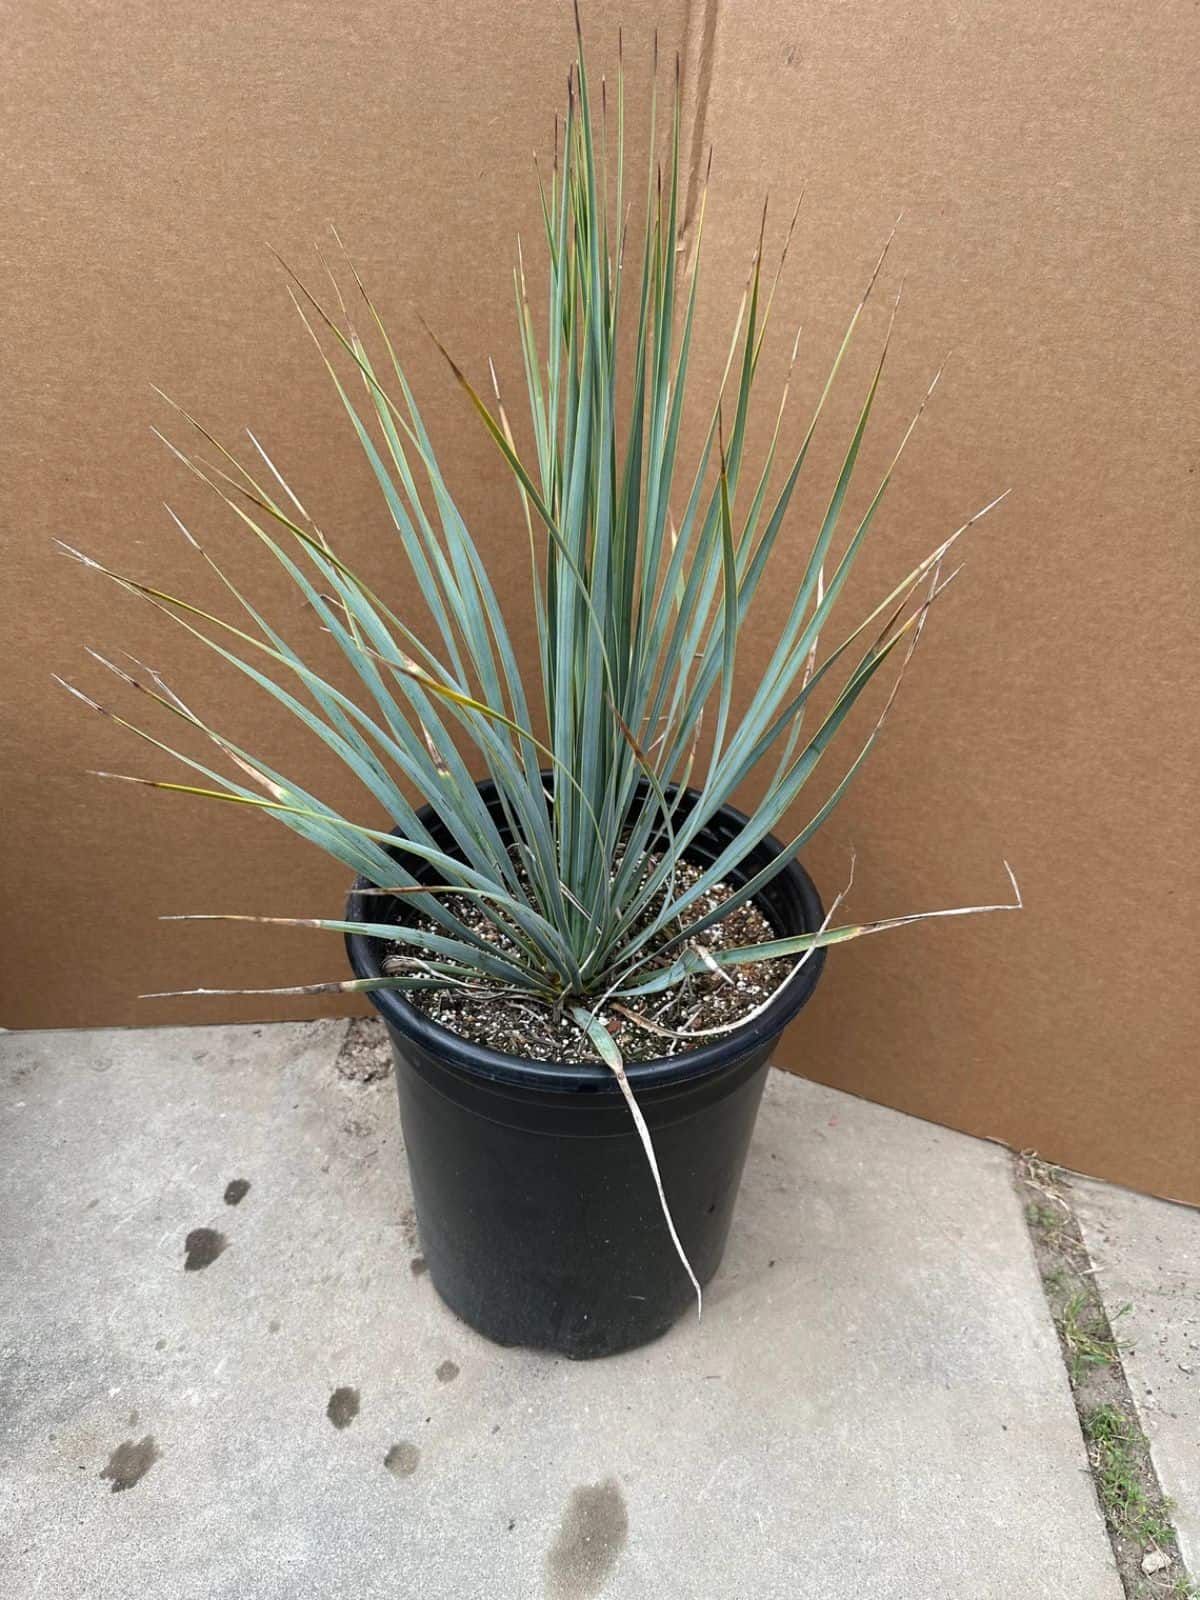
x,y
537,1212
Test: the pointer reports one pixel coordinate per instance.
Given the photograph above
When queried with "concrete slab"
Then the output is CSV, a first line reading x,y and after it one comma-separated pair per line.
x,y
1147,1257
874,1405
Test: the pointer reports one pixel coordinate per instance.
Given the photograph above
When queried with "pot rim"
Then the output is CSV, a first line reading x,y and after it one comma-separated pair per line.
x,y
481,1061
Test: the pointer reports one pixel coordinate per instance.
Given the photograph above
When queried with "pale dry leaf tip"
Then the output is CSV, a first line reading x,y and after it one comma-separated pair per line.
x,y
157,679
93,705
299,989
180,455
948,544
111,666
1012,878
163,395
183,529
333,284
878,268
278,476
944,583
850,875
78,555
141,665
983,510
238,916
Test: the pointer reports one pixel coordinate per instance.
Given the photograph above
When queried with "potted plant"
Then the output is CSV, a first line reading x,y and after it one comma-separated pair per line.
x,y
583,953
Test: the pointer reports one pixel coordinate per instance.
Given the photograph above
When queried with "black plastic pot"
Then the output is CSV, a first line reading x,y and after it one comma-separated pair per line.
x,y
537,1212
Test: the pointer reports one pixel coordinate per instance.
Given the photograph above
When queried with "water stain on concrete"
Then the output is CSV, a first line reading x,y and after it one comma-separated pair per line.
x,y
418,1266
130,1462
343,1407
202,1247
132,1421
274,1325
593,1532
447,1372
236,1191
408,1227
402,1459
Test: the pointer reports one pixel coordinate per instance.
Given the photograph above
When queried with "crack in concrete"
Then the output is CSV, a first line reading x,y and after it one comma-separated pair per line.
x,y
1064,1262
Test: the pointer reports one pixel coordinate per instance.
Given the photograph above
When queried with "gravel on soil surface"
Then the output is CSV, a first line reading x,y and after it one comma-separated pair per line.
x,y
661,1025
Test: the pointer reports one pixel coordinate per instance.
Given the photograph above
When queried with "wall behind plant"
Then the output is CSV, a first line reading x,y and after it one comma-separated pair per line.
x,y
1047,172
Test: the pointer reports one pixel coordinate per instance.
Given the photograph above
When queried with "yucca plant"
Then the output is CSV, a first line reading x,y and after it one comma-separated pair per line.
x,y
642,571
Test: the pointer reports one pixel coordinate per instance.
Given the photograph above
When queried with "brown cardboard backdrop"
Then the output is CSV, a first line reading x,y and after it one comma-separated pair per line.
x,y
1047,169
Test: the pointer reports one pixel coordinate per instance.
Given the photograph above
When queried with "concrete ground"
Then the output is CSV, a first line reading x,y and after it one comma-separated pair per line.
x,y
226,1375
